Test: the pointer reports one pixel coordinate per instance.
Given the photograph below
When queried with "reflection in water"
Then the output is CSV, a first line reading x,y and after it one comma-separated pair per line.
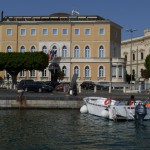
x,y
68,129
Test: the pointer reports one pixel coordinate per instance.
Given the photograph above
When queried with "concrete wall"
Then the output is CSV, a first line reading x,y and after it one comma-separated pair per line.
x,y
43,104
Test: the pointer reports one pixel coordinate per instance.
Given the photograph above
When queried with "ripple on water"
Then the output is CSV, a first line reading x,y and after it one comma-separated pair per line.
x,y
68,129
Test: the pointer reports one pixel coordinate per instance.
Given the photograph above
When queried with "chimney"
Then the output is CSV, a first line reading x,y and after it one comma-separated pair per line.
x,y
2,15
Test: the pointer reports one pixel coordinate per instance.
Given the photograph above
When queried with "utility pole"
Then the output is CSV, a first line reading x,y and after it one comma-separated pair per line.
x,y
131,31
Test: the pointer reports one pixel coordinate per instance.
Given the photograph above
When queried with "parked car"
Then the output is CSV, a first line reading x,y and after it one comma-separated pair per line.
x,y
87,85
52,83
23,83
90,85
44,87
102,87
61,86
30,85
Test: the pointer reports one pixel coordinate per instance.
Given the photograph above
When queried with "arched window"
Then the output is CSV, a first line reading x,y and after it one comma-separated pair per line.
x,y
44,49
22,49
101,51
87,51
9,49
76,70
64,51
54,49
64,69
76,52
101,71
32,49
87,71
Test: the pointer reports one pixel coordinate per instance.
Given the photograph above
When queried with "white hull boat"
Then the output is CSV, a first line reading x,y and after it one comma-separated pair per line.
x,y
111,109
125,112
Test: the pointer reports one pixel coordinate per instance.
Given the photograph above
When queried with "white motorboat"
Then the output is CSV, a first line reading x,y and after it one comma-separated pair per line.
x,y
128,112
98,106
111,109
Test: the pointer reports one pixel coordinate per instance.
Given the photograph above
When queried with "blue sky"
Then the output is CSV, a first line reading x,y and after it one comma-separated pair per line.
x,y
127,13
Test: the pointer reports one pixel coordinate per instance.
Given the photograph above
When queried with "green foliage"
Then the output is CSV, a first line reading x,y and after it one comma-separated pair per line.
x,y
23,61
147,63
15,62
60,75
145,74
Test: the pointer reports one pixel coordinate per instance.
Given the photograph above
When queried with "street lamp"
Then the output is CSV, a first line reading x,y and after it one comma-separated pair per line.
x,y
131,31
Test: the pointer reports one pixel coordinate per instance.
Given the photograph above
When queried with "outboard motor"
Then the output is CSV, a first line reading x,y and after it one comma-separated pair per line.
x,y
140,112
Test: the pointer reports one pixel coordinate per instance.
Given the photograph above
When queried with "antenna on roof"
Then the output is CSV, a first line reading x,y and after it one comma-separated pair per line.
x,y
74,12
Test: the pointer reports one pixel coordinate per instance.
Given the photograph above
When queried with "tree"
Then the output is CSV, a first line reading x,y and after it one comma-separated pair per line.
x,y
145,74
60,75
147,66
15,62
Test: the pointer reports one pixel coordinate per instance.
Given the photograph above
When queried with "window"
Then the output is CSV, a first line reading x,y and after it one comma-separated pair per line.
x,y
44,73
32,49
44,49
133,72
76,51
114,52
87,32
113,71
22,73
115,34
64,69
64,51
133,56
101,31
55,31
76,31
101,51
45,31
142,56
87,51
142,71
32,73
54,49
126,57
64,32
76,70
101,71
120,71
9,49
23,32
9,32
22,49
87,71
33,32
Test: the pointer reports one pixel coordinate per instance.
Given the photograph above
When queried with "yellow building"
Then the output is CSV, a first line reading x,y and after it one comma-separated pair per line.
x,y
88,45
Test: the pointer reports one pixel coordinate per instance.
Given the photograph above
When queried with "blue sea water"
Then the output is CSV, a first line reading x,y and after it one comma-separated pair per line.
x,y
58,129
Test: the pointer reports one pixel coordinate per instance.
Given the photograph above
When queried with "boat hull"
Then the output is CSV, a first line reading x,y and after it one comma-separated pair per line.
x,y
125,113
114,111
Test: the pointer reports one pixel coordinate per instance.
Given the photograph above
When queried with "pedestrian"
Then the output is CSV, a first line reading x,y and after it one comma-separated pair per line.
x,y
131,100
7,76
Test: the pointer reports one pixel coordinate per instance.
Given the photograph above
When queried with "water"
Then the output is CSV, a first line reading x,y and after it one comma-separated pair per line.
x,y
68,130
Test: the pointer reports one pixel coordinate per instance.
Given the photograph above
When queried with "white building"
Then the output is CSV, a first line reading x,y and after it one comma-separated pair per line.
x,y
140,49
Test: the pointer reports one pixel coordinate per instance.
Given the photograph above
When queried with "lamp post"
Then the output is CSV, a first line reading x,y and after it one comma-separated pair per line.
x,y
131,31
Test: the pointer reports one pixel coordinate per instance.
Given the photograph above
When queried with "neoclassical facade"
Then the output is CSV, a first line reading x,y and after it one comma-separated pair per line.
x,y
87,45
135,58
